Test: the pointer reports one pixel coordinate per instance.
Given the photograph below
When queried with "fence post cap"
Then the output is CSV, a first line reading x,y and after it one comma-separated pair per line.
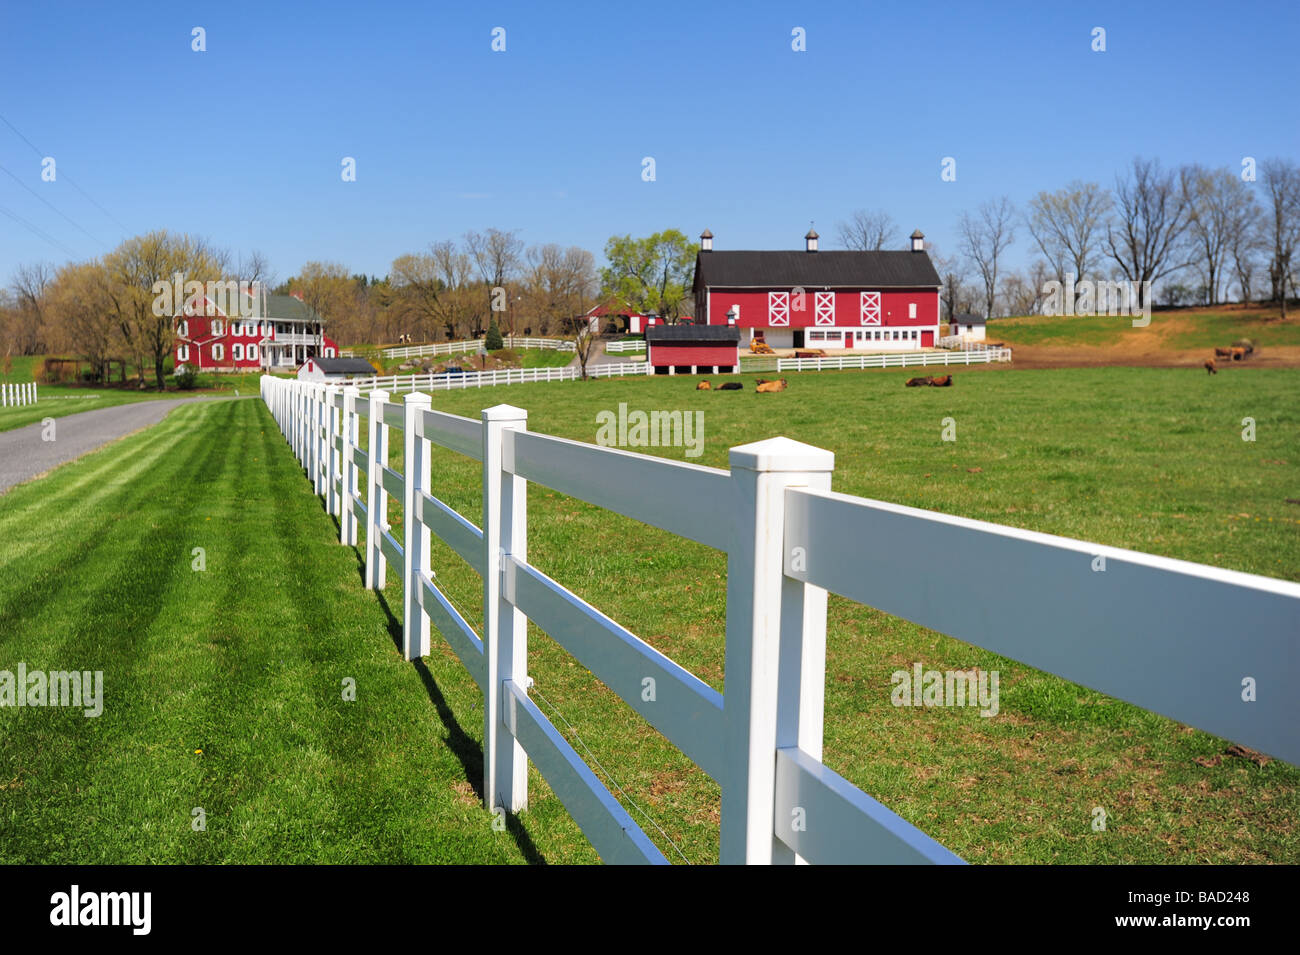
x,y
417,398
351,390
379,395
781,454
504,413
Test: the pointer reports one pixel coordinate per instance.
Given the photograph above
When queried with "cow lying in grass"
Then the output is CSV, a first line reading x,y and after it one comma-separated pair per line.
x,y
1223,353
731,386
704,386
766,387
918,382
943,382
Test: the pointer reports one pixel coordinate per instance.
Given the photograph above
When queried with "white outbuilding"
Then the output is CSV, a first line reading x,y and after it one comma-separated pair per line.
x,y
335,369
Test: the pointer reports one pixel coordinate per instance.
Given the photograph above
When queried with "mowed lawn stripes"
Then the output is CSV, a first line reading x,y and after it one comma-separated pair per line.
x,y
223,687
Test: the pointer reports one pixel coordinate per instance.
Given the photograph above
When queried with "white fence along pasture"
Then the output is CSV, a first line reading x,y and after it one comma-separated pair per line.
x,y
631,344
22,393
1172,636
896,360
473,345
504,376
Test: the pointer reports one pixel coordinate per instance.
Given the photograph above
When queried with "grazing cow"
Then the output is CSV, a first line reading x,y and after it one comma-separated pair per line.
x,y
917,382
1223,353
1238,354
943,382
1210,366
1245,343
731,386
704,386
771,387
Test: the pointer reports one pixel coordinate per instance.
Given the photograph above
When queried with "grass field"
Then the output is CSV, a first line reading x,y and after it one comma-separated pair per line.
x,y
1174,329
1148,459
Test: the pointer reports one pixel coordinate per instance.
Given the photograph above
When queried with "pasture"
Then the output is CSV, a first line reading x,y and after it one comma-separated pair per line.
x,y
243,660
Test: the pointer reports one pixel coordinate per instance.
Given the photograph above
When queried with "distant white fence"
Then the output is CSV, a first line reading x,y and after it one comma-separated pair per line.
x,y
899,360
631,344
504,376
960,341
473,345
1176,637
23,393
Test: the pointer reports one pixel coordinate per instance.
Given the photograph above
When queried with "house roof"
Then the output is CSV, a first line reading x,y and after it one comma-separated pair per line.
x,y
814,270
968,319
693,334
344,366
278,308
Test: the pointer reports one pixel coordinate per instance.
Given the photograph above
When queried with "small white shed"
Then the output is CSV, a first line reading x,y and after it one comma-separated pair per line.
x,y
335,369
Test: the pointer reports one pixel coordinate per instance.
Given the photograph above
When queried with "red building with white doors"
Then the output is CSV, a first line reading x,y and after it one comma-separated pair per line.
x,y
270,332
839,300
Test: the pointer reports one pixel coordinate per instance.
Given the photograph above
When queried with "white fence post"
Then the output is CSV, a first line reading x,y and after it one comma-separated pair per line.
x,y
376,496
415,540
505,629
321,431
755,583
351,441
333,457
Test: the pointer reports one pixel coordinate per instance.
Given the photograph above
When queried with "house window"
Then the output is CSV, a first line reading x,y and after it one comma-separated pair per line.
x,y
218,351
252,353
218,327
237,351
183,329
183,353
329,353
911,310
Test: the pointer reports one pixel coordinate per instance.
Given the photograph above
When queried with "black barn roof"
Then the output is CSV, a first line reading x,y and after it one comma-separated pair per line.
x,y
344,366
693,334
814,270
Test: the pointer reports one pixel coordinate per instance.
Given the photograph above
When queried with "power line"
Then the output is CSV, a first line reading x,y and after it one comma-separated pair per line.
x,y
70,181
48,203
54,242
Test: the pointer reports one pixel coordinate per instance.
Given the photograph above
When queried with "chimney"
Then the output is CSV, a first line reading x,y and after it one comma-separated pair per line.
x,y
706,241
810,240
918,241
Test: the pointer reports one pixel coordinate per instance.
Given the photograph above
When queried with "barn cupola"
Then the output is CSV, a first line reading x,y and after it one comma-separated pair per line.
x,y
810,240
706,241
918,241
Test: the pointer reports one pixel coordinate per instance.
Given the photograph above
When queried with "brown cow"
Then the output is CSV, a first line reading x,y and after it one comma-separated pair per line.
x,y
704,386
1238,354
1210,366
915,382
1223,353
943,382
771,387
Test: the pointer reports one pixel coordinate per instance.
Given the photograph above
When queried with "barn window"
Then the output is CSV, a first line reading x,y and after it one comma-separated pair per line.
x,y
778,308
825,308
218,351
911,310
237,351
183,353
870,308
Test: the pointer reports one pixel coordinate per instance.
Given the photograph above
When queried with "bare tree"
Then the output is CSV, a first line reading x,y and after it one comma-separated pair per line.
x,y
1067,225
496,254
1151,219
952,281
1282,223
558,282
1220,213
869,230
985,237
30,288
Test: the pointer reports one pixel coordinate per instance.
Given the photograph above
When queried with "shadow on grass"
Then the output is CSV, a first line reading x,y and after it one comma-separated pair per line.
x,y
465,748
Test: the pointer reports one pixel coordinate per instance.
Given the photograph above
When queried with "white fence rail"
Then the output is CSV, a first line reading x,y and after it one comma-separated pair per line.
x,y
23,393
473,345
901,360
504,376
632,344
1175,637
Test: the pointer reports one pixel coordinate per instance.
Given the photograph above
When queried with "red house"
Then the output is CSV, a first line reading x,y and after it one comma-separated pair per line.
x,y
863,301
266,332
687,349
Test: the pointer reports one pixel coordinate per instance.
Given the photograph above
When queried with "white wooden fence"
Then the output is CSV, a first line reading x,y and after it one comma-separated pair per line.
x,y
899,360
504,376
1175,637
473,345
631,344
22,393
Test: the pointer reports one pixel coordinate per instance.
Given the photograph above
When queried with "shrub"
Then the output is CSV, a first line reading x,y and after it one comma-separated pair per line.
x,y
493,341
186,378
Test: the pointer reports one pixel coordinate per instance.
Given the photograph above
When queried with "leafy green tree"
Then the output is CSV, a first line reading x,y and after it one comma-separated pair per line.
x,y
651,275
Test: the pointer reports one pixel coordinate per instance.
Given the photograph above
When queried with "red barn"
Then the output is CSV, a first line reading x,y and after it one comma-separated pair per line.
x,y
686,349
863,301
266,332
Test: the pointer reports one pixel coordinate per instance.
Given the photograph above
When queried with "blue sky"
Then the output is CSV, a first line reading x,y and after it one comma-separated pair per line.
x,y
243,143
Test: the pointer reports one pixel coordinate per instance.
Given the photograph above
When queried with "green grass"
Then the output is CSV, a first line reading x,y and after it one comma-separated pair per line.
x,y
1148,459
1180,328
223,688
543,357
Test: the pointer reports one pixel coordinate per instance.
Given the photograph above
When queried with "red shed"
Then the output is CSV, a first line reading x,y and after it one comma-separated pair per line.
x,y
689,349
